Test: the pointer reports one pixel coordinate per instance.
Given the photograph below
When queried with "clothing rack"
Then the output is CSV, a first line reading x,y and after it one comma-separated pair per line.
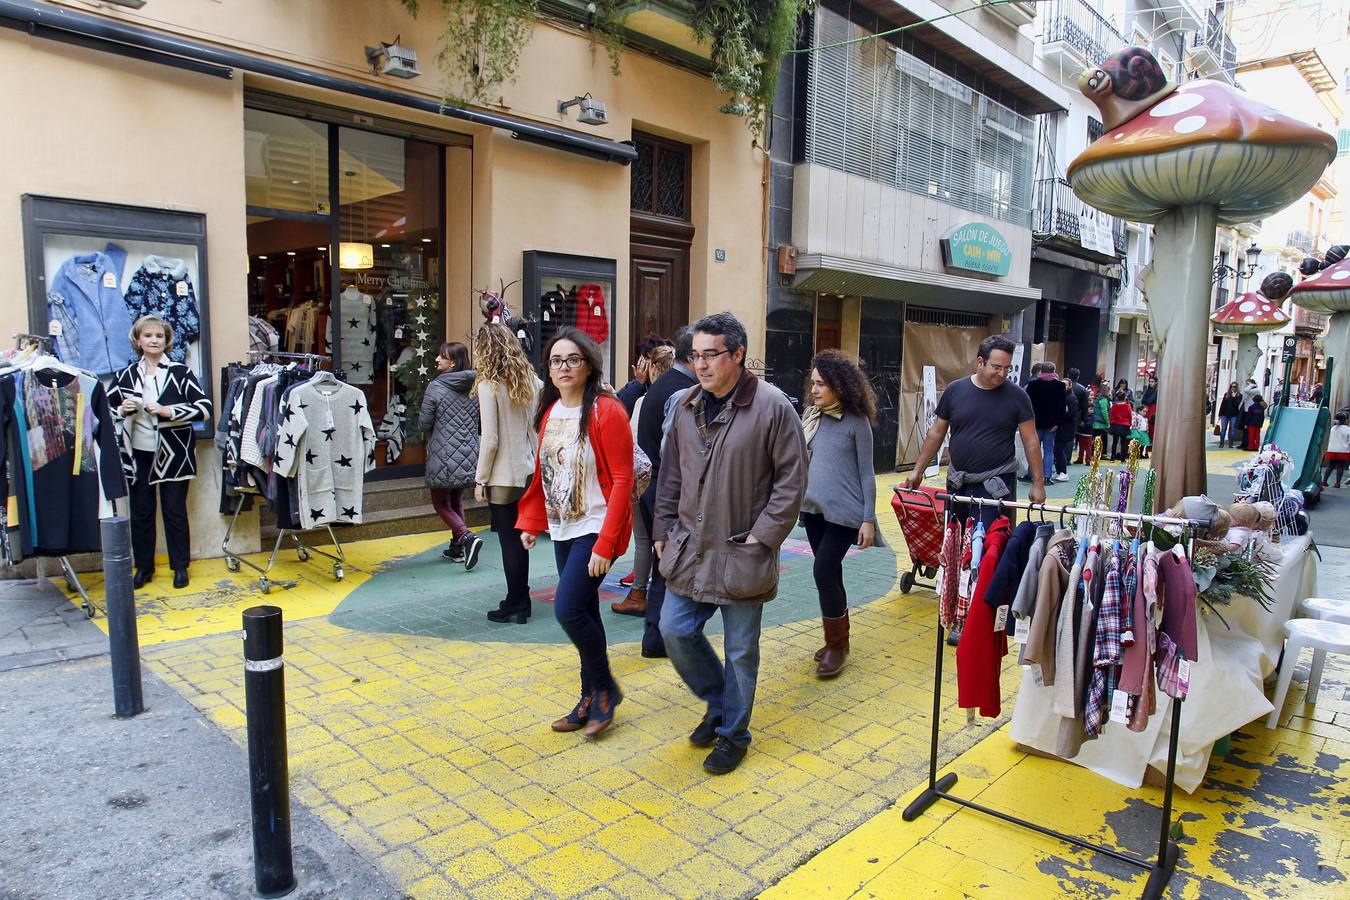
x,y
46,343
1160,869
233,561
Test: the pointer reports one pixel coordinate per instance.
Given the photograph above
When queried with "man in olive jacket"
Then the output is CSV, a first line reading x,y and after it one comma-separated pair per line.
x,y
732,480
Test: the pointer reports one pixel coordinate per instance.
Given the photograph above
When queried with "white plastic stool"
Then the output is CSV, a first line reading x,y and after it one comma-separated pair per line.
x,y
1327,608
1322,636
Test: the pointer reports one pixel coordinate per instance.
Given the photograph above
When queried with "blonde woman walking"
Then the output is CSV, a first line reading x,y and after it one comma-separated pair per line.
x,y
507,390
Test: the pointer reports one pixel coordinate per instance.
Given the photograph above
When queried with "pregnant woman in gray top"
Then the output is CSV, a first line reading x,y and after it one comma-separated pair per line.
x,y
840,506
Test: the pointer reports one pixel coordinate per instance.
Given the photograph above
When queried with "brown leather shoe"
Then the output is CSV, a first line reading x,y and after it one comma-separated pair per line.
x,y
836,646
577,718
635,604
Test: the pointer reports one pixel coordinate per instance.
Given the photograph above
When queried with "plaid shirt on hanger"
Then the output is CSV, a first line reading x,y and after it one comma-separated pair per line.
x,y
1106,654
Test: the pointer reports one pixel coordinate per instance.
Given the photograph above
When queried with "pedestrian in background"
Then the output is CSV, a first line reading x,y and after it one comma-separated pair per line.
x,y
449,416
507,390
1230,414
839,509
660,360
732,478
1101,414
660,401
1338,451
1121,416
1066,433
1149,401
631,392
1253,420
582,494
1048,401
1085,414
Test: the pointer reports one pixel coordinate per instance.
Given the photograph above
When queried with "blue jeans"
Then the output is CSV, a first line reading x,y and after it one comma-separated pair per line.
x,y
576,605
1047,436
1228,429
728,689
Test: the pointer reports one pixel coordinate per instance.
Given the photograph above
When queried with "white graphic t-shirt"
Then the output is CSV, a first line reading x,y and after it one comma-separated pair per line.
x,y
572,495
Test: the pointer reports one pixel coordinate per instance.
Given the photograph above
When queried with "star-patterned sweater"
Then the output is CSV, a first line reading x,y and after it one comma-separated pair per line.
x,y
355,327
327,443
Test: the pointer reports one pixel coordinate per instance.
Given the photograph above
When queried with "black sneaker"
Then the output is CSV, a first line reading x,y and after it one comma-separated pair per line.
x,y
725,757
453,553
473,545
705,735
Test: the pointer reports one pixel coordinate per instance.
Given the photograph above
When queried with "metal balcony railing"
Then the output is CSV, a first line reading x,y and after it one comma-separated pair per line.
x,y
1082,28
1058,209
1214,37
1303,240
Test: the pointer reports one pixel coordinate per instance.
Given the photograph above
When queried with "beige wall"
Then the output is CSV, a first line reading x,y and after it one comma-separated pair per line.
x,y
126,133
103,128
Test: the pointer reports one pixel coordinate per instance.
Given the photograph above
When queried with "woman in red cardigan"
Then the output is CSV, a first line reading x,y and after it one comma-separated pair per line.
x,y
582,494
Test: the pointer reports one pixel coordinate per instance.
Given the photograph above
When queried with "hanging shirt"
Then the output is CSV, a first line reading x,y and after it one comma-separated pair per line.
x,y
354,323
87,315
327,443
980,653
161,287
62,450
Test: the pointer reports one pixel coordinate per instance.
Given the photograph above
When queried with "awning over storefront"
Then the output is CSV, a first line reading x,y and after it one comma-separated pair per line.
x,y
823,274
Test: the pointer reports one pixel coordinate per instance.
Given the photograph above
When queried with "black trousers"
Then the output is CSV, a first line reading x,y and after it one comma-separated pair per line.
x,y
173,508
515,558
652,641
829,544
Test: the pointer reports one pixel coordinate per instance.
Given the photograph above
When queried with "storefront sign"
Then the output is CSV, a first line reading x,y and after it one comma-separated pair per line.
x,y
1290,348
1094,234
976,247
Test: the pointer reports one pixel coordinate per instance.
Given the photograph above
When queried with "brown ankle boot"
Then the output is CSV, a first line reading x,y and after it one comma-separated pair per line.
x,y
635,604
836,646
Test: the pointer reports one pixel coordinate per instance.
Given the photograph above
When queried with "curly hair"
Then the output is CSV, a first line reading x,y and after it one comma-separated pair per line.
x,y
498,359
844,375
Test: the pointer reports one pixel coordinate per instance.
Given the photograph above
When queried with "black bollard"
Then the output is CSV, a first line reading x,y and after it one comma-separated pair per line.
x,y
123,643
268,770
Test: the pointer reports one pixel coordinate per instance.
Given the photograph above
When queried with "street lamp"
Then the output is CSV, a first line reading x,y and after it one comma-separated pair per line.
x,y
1223,270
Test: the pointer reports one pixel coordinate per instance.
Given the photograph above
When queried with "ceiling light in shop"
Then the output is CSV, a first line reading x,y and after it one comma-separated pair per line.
x,y
426,240
385,246
355,255
322,249
262,257
290,252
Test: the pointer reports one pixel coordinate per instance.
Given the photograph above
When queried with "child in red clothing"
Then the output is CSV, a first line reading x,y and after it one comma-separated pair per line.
x,y
1122,415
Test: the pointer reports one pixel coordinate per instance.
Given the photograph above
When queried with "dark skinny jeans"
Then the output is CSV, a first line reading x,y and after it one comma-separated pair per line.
x,y
829,544
576,605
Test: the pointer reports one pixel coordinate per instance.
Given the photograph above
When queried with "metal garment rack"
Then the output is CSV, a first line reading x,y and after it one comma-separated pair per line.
x,y
234,562
1160,869
46,344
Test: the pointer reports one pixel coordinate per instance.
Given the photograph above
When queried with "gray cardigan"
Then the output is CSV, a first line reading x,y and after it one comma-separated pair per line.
x,y
841,484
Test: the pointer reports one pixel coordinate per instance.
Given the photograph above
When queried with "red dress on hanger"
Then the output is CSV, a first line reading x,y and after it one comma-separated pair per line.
x,y
979,655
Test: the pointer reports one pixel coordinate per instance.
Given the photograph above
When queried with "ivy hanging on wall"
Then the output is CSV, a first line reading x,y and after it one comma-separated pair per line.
x,y
480,45
481,42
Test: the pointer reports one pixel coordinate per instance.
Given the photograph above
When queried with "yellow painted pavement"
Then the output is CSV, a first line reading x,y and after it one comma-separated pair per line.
x,y
434,759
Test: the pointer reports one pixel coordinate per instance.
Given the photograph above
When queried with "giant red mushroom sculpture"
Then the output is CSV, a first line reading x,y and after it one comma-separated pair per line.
x,y
1187,159
1328,291
1253,314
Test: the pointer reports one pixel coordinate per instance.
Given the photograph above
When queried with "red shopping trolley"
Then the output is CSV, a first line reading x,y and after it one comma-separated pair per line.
x,y
920,513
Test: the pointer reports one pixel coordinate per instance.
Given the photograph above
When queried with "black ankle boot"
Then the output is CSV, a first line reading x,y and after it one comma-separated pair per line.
x,y
509,611
142,578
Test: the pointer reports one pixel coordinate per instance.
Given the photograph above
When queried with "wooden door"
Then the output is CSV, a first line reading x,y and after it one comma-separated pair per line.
x,y
829,324
659,291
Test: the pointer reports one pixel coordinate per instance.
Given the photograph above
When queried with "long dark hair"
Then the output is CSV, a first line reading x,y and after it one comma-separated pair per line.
x,y
590,351
457,353
843,375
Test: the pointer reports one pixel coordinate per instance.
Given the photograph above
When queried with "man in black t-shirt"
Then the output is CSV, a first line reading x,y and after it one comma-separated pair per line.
x,y
985,414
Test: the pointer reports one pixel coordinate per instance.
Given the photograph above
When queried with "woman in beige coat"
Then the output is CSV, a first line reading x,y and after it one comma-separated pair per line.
x,y
507,389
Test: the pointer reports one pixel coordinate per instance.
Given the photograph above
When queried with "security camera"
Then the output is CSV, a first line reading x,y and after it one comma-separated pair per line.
x,y
592,110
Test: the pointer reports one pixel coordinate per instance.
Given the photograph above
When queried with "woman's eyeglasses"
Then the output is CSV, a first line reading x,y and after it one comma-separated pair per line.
x,y
568,362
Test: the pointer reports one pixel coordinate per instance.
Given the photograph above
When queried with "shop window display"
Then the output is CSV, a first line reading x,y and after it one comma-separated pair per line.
x,y
359,282
563,291
94,268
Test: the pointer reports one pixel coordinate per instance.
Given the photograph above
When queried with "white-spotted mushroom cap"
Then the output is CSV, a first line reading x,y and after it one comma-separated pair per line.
x,y
1326,292
1204,144
1249,314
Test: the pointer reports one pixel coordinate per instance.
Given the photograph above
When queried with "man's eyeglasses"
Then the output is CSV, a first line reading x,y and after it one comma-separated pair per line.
x,y
569,362
706,356
997,368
